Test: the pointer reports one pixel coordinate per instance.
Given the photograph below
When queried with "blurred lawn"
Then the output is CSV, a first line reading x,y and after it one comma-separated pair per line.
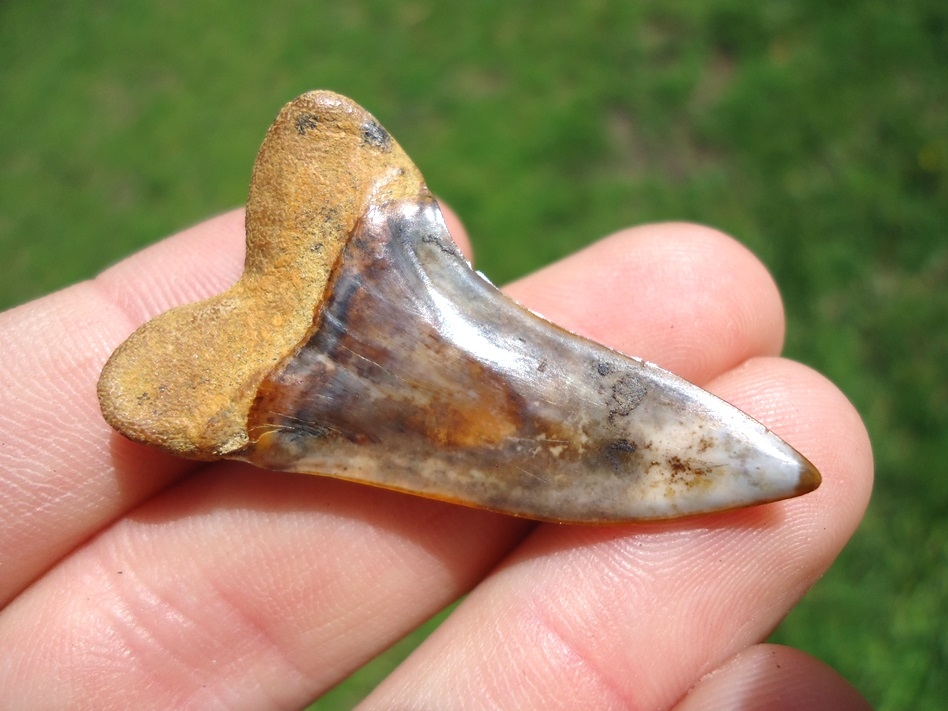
x,y
816,132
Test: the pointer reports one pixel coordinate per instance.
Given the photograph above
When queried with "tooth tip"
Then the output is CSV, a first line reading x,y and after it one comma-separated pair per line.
x,y
809,478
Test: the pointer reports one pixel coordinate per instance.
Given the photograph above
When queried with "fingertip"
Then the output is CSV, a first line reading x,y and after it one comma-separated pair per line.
x,y
770,677
686,296
708,281
814,416
196,263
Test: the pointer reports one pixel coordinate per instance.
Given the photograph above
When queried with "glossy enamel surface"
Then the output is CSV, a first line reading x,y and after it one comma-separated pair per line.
x,y
420,376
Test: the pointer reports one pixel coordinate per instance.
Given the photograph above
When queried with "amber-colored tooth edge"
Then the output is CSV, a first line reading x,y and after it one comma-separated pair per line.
x,y
185,381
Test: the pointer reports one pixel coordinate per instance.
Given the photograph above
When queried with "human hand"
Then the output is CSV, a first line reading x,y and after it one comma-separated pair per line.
x,y
130,577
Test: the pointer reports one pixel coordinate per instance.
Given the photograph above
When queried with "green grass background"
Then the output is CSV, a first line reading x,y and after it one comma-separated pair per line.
x,y
815,131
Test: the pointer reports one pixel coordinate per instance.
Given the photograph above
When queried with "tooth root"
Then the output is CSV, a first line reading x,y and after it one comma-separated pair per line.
x,y
359,344
420,376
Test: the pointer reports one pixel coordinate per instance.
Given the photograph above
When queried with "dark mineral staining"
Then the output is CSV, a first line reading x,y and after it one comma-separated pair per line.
x,y
375,135
604,368
440,244
627,393
306,122
685,470
618,454
623,446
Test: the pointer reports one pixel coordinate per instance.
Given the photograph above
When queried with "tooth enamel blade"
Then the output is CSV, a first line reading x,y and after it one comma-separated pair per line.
x,y
420,376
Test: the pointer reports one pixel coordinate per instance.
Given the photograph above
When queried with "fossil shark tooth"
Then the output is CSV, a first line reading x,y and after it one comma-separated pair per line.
x,y
360,344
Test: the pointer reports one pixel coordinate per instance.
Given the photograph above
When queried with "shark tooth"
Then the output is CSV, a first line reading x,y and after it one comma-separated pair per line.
x,y
360,344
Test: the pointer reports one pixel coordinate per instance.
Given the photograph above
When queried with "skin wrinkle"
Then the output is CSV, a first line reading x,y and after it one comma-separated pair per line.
x,y
644,576
589,663
103,643
257,623
144,612
569,659
594,613
534,617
